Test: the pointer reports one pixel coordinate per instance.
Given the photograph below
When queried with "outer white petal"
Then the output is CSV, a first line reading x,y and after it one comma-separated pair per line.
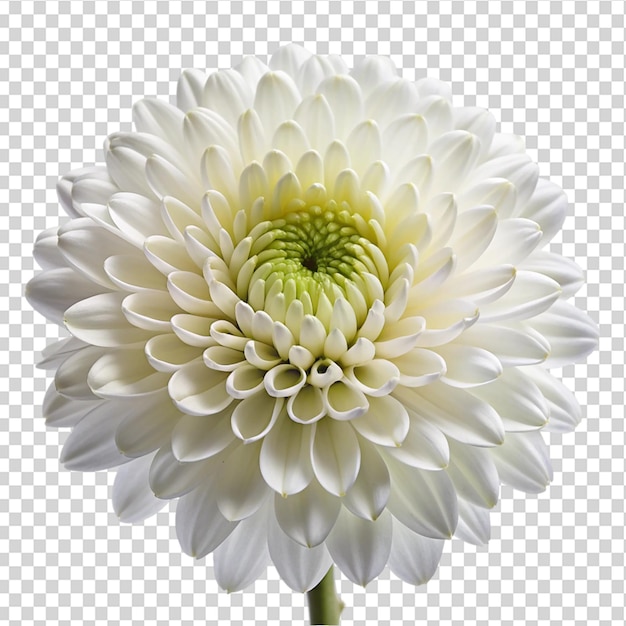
x,y
189,89
308,516
468,366
98,175
474,474
148,426
285,457
61,412
290,59
419,367
523,461
71,376
424,447
99,321
91,444
158,117
455,412
46,251
200,527
572,334
547,207
227,93
425,501
565,272
474,523
52,292
563,408
276,99
359,547
169,478
58,351
198,390
368,495
300,567
517,399
386,422
133,500
372,71
197,437
346,102
413,558
240,487
125,373
243,556
335,455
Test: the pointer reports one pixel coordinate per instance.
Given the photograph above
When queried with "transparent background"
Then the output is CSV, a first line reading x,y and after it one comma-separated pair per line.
x,y
550,71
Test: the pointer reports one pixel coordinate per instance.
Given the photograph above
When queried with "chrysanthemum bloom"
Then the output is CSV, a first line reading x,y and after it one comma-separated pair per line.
x,y
314,306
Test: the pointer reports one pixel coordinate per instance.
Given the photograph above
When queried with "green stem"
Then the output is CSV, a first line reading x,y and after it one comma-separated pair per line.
x,y
324,604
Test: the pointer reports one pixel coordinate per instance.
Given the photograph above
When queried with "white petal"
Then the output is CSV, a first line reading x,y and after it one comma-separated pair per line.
x,y
243,556
94,175
169,478
255,416
531,294
150,310
499,193
85,246
285,380
252,68
425,501
189,89
91,444
369,494
253,142
455,412
547,207
308,516
474,474
474,231
364,145
198,437
572,334
167,179
514,240
127,167
133,500
468,366
157,117
227,93
290,59
241,490
190,292
55,353
312,72
565,272
517,399
344,97
200,527
335,455
359,547
513,345
474,524
306,406
133,273
46,251
419,367
167,353
276,99
479,122
136,216
285,457
71,377
376,378
391,100
52,292
563,408
413,558
61,412
125,372
316,119
428,86
386,422
523,461
198,390
99,321
300,567
482,285
403,139
343,401
454,154
148,426
424,447
193,330
373,70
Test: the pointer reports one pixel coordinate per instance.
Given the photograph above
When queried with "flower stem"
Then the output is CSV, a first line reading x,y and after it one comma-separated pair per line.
x,y
324,604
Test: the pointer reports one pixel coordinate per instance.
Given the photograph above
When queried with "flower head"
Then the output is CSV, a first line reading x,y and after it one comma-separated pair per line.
x,y
316,307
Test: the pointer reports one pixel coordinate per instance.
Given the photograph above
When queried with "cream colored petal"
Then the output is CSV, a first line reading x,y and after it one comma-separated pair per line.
x,y
123,373
150,310
241,490
198,390
419,367
346,102
255,416
276,99
404,139
307,405
344,401
413,558
484,285
62,412
132,498
193,330
335,455
316,118
245,381
199,437
190,292
424,501
167,179
71,377
285,457
284,380
312,72
457,413
99,321
474,232
167,353
219,172
547,207
474,474
446,321
133,273
375,378
386,422
167,255
360,548
499,193
468,366
399,338
455,154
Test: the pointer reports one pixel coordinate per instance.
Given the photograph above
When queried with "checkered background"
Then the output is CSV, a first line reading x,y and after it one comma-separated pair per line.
x,y
551,71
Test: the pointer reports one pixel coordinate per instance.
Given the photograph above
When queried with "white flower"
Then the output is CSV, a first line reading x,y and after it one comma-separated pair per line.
x,y
316,307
